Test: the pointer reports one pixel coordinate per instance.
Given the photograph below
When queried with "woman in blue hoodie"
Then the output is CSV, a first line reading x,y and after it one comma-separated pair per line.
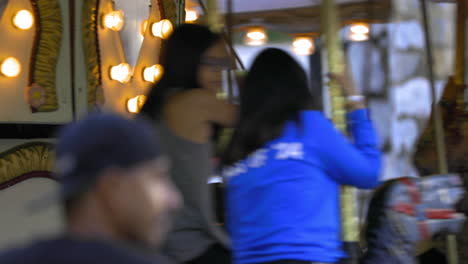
x,y
285,163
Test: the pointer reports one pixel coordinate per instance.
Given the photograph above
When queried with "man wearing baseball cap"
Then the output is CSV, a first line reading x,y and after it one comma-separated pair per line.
x,y
115,192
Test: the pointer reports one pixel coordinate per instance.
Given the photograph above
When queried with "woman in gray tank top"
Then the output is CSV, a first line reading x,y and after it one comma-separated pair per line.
x,y
184,107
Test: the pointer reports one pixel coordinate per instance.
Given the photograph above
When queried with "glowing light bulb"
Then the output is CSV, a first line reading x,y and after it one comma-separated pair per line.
x,y
360,28
10,67
358,37
135,104
23,20
303,46
162,29
359,32
144,27
190,16
121,73
153,73
256,37
113,20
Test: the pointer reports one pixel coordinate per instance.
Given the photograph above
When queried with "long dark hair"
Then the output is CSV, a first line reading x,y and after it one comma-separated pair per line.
x,y
180,59
275,90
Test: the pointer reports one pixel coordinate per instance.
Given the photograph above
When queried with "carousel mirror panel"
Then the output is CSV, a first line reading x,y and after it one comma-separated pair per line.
x,y
122,42
35,66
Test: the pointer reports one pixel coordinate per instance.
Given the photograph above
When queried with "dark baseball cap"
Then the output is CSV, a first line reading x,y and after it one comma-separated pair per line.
x,y
98,142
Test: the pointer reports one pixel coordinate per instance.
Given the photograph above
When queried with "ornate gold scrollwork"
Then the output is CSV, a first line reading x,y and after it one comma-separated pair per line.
x,y
45,54
24,159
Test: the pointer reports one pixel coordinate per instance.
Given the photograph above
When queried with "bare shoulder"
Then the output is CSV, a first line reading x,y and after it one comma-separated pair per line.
x,y
191,97
203,105
200,95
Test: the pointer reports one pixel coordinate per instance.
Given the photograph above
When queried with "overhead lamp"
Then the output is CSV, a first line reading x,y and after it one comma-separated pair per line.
x,y
10,67
135,104
256,36
303,45
191,15
162,28
121,73
23,19
113,20
359,32
153,73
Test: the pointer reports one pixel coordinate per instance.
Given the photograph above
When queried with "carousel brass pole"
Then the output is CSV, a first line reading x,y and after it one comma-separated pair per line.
x,y
229,41
180,12
213,18
459,77
330,28
439,133
231,48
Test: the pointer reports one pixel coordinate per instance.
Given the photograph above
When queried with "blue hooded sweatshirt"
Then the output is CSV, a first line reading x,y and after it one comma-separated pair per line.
x,y
282,201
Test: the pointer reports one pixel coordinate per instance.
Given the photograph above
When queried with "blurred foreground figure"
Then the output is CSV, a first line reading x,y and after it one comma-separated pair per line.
x,y
284,165
184,106
406,211
115,192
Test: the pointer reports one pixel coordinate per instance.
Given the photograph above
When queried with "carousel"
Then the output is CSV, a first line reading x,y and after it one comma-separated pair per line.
x,y
60,59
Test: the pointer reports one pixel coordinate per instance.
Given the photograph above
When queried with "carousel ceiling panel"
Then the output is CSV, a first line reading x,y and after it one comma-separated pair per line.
x,y
307,18
245,6
299,16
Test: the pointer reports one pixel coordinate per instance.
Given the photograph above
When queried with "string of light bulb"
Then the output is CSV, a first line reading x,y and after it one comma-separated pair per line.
x,y
191,15
23,20
359,32
114,20
303,44
135,104
123,73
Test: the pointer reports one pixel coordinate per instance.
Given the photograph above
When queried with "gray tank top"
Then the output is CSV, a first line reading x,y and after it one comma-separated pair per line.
x,y
193,227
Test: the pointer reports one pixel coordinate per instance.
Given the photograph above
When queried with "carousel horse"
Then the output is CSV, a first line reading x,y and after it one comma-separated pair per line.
x,y
455,119
406,211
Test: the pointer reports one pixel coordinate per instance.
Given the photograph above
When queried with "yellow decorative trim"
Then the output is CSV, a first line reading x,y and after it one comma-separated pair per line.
x,y
26,158
91,51
49,38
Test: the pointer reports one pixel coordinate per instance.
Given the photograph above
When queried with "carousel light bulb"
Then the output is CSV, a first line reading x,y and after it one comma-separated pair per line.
x,y
162,28
136,103
359,32
190,16
303,45
10,67
121,73
256,37
360,28
153,73
23,19
144,27
359,37
114,20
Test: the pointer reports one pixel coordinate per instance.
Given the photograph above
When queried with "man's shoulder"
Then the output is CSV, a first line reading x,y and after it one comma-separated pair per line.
x,y
73,251
23,255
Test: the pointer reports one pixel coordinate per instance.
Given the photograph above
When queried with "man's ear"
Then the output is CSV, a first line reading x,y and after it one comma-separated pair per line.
x,y
109,185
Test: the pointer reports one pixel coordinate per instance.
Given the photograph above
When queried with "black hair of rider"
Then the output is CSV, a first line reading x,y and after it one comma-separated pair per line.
x,y
181,57
274,91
